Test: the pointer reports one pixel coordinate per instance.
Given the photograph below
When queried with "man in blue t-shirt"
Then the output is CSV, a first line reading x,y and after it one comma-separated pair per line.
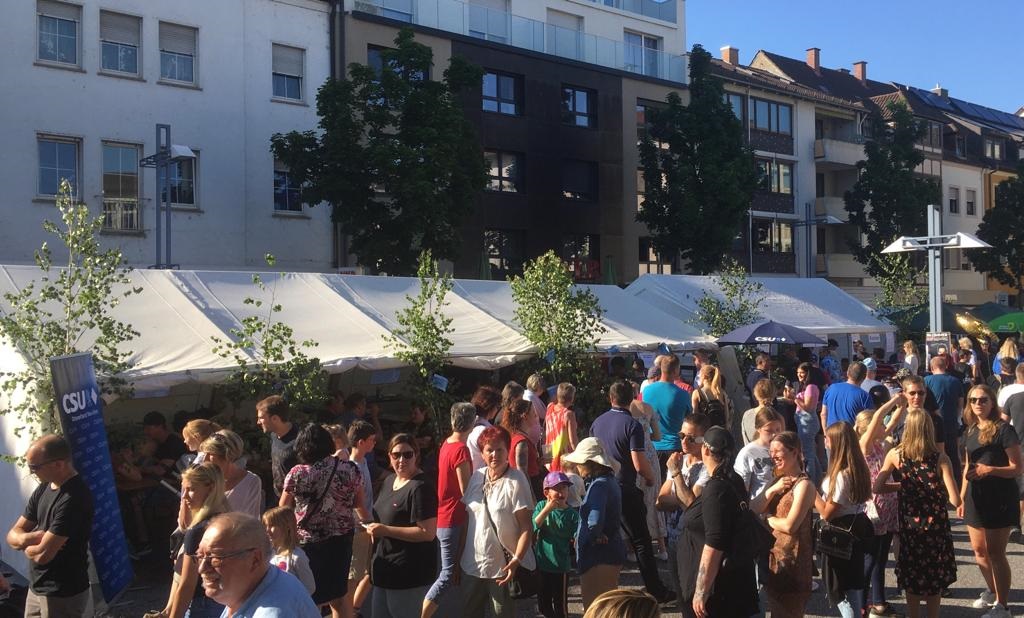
x,y
671,404
622,437
843,401
949,394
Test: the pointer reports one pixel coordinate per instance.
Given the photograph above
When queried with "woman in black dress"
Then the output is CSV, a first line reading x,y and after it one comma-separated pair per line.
x,y
989,493
713,584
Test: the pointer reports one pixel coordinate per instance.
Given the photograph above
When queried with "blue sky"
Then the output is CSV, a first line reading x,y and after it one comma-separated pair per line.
x,y
972,47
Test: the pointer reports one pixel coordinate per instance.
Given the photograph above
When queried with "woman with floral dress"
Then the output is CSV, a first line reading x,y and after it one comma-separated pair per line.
x,y
925,563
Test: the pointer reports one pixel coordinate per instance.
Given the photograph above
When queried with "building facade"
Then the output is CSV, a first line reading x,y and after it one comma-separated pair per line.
x,y
95,78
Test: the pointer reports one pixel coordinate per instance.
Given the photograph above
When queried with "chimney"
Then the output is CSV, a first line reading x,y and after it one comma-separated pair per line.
x,y
860,71
730,55
939,90
814,59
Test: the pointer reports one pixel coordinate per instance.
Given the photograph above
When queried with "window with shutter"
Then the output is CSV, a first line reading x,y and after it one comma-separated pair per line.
x,y
287,68
58,32
177,53
119,42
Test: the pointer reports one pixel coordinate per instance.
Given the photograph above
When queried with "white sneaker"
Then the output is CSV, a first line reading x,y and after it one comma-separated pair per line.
x,y
998,611
985,600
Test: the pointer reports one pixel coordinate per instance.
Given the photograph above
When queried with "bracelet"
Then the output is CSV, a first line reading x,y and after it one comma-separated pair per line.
x,y
675,476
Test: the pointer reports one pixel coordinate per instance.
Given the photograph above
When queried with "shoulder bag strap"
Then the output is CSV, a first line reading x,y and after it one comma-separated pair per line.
x,y
487,513
315,507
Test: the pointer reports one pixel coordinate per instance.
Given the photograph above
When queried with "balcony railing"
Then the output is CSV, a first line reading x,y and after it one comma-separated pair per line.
x,y
501,27
665,11
120,215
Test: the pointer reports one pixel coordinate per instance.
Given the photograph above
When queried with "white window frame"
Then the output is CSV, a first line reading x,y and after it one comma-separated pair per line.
x,y
643,68
138,48
61,139
282,168
195,184
301,76
121,207
195,57
953,198
77,64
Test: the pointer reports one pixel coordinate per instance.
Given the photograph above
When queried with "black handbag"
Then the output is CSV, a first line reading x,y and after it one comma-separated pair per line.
x,y
525,583
834,541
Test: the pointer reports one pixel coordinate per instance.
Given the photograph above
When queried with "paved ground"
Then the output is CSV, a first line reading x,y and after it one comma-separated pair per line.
x,y
150,589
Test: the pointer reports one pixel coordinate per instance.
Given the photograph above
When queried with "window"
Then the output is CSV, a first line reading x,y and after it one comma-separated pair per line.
x,y
770,116
505,172
58,32
177,53
502,93
505,251
182,181
776,176
641,189
488,20
287,71
642,53
735,101
970,201
121,187
772,236
579,180
954,200
375,60
583,254
961,146
119,42
994,149
397,9
819,185
58,160
286,190
644,115
578,107
650,261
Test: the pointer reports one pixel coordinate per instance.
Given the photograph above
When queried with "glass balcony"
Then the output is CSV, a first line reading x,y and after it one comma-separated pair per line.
x,y
665,11
501,27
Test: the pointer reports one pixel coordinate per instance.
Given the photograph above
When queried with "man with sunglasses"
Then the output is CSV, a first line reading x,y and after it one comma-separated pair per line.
x,y
54,533
233,565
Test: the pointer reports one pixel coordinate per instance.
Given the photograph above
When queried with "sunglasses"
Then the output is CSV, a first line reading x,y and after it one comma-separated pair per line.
x,y
915,393
403,455
981,400
694,439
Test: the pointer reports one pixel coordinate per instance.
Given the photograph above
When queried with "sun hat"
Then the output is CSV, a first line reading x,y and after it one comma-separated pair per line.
x,y
556,478
589,449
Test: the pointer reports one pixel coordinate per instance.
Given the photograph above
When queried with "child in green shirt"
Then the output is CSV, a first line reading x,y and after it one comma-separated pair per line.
x,y
555,523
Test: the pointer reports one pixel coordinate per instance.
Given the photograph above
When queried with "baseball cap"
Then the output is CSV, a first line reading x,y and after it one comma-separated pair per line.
x,y
870,364
556,478
718,440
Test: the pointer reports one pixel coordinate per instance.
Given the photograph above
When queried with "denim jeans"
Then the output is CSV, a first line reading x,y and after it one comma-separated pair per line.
x,y
389,603
449,540
807,427
876,556
852,605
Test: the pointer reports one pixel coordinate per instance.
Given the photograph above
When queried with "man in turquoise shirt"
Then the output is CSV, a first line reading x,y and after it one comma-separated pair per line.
x,y
671,404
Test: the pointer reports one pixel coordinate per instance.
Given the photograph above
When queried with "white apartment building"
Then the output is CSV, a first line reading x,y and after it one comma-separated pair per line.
x,y
87,81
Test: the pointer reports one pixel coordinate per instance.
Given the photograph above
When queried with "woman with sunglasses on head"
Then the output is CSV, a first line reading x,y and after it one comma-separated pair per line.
x,y
989,494
243,489
404,533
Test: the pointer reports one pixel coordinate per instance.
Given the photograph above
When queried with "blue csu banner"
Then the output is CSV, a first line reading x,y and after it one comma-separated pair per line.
x,y
81,416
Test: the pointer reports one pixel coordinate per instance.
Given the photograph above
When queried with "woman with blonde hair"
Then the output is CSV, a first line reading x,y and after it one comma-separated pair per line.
x,y
193,434
202,491
845,492
910,358
624,603
1008,349
764,395
244,490
710,399
925,562
989,496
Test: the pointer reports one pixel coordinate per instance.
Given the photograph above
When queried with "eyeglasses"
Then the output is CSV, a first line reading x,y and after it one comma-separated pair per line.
x,y
694,439
215,560
35,467
982,400
403,455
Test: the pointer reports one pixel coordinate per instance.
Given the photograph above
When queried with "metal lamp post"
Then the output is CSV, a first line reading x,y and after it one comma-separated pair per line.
x,y
166,154
934,243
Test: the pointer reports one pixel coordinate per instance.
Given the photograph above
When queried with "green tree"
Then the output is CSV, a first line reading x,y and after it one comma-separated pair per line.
x,y
422,338
738,304
563,321
890,200
68,310
395,157
268,359
1003,228
699,177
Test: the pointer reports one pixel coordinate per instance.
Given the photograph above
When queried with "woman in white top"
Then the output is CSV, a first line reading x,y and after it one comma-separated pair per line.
x,y
753,462
498,499
845,492
910,358
243,489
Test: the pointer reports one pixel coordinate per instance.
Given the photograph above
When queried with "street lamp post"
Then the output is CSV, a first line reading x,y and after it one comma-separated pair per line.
x,y
934,243
166,154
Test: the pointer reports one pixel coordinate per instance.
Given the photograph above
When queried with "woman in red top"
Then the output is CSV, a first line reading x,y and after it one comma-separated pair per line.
x,y
454,467
559,418
523,454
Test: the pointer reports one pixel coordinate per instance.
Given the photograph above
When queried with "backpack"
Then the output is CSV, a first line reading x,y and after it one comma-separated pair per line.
x,y
714,409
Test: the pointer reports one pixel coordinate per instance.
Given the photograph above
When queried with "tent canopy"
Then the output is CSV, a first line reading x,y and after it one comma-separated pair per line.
x,y
813,304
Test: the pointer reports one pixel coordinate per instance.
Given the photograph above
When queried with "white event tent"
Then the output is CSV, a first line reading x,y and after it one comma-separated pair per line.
x,y
813,304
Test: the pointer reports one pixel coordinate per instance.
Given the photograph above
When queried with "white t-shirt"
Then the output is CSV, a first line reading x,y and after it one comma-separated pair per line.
x,y
754,465
297,564
483,557
1006,391
912,363
474,435
247,496
842,496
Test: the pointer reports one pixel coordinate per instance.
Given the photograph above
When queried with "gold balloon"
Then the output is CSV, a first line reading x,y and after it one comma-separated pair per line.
x,y
976,328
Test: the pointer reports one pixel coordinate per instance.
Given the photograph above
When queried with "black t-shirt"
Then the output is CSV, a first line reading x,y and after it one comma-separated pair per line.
x,y
1014,408
282,456
190,546
397,564
170,449
66,511
993,453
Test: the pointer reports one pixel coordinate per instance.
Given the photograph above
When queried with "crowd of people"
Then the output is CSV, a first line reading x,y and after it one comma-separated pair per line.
x,y
818,482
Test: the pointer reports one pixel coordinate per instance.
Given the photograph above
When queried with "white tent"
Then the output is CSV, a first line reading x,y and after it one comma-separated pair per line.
x,y
812,304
